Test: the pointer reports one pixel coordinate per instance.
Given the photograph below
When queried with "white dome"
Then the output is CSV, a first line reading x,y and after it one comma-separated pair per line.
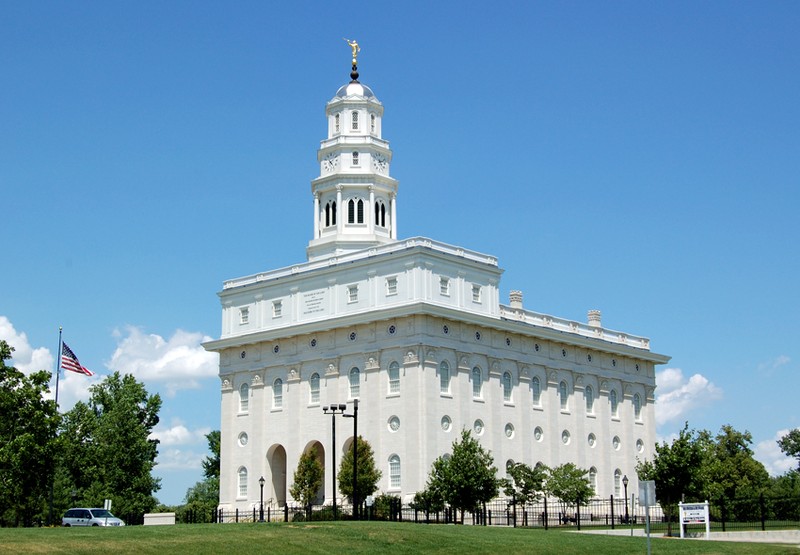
x,y
354,88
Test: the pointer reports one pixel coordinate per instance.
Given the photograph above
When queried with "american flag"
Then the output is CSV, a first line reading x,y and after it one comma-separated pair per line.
x,y
70,362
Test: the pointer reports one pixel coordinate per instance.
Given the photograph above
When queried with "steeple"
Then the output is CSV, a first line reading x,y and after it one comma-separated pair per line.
x,y
354,196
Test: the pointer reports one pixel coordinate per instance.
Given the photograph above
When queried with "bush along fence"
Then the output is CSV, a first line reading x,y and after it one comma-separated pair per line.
x,y
755,513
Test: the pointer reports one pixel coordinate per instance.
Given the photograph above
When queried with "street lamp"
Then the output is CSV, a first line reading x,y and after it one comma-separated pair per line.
x,y
625,484
354,416
333,410
261,510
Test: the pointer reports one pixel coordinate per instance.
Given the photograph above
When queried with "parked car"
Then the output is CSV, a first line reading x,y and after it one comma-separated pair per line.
x,y
90,517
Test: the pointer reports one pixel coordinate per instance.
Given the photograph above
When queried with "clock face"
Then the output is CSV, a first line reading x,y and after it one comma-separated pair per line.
x,y
330,162
381,163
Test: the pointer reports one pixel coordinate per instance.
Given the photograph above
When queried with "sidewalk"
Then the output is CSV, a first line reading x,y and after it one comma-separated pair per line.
x,y
771,536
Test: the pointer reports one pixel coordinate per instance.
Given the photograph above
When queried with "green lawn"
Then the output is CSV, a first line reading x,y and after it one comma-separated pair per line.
x,y
346,538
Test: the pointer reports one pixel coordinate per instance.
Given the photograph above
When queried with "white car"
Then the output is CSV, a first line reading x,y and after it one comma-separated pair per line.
x,y
90,517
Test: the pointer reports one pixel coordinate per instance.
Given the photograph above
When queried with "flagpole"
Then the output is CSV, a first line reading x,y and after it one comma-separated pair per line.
x,y
58,373
58,363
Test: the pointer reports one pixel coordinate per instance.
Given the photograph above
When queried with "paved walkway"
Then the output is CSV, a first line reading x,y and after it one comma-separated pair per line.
x,y
771,536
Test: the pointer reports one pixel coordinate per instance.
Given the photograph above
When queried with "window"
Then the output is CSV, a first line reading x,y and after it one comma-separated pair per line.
x,y
617,482
562,391
330,213
336,124
355,382
242,482
593,479
354,119
444,286
355,211
444,378
612,398
394,472
380,214
277,394
277,309
394,378
314,384
507,387
589,394
476,383
391,286
476,293
244,397
637,407
372,123
355,158
244,315
352,294
360,211
536,386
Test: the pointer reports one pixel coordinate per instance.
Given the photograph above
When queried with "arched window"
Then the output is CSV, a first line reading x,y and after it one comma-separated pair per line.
x,y
314,383
355,158
277,393
536,386
327,214
593,479
477,383
351,211
380,213
242,482
394,472
637,406
507,387
562,392
360,211
617,482
354,117
589,394
372,123
612,398
394,378
244,397
355,382
444,377
336,125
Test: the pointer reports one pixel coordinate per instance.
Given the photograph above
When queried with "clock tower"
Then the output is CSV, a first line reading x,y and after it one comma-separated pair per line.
x,y
355,204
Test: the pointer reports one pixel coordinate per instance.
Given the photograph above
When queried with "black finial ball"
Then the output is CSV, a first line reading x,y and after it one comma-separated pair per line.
x,y
354,73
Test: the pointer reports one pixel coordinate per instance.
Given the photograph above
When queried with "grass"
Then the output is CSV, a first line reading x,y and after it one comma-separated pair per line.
x,y
348,538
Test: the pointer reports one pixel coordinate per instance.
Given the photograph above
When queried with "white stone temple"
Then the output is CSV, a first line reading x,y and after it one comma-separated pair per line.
x,y
415,330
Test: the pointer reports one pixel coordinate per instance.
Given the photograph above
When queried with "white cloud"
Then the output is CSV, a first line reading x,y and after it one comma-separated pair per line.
x,y
25,358
179,459
677,396
770,367
179,434
771,456
179,362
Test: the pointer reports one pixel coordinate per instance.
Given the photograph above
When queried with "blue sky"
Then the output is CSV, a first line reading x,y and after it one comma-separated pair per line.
x,y
638,158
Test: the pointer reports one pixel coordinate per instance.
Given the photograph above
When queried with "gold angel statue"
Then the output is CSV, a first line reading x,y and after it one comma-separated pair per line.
x,y
354,46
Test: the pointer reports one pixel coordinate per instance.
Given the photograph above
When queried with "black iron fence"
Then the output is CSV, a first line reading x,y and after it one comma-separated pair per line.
x,y
755,513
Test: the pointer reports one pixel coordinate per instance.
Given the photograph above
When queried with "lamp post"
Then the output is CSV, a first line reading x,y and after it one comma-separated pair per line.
x,y
261,504
625,484
354,416
333,410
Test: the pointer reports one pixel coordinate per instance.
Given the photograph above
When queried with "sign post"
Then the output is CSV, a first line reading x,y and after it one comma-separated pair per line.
x,y
694,513
647,497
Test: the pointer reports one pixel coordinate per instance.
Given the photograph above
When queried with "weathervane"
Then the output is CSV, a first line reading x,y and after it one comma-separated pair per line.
x,y
356,49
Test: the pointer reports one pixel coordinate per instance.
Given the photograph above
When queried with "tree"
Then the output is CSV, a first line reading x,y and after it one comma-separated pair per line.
x,y
790,444
525,484
570,485
211,464
675,470
202,498
368,473
467,478
106,447
27,442
307,480
729,468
